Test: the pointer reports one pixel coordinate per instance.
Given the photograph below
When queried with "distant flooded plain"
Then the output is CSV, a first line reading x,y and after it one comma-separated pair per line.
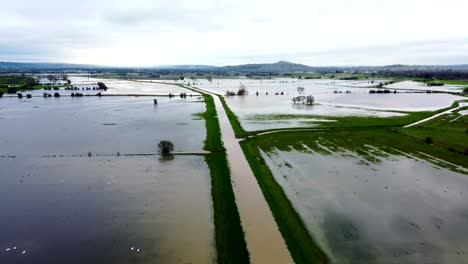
x,y
332,98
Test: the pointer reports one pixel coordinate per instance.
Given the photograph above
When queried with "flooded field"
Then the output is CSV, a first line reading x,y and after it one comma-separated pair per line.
x,y
75,189
412,85
106,210
376,204
106,125
332,98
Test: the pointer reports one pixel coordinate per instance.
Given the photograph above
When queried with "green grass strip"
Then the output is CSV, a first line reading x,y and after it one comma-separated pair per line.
x,y
298,239
230,242
233,119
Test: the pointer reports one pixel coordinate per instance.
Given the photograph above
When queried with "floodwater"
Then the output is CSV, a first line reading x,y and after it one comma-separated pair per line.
x,y
333,98
88,86
105,125
105,210
394,209
70,193
264,241
412,85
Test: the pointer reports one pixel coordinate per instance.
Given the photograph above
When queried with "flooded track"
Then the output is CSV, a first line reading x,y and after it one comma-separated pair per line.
x,y
264,241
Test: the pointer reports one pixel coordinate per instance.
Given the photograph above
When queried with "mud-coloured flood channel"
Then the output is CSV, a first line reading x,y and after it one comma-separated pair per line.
x,y
375,206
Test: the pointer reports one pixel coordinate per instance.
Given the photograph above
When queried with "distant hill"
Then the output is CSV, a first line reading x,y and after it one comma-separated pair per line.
x,y
278,67
184,67
41,66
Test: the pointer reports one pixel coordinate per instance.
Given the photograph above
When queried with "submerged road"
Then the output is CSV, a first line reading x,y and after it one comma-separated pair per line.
x,y
264,240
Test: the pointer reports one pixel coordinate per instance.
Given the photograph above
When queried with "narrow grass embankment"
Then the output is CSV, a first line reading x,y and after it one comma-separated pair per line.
x,y
230,242
235,123
300,243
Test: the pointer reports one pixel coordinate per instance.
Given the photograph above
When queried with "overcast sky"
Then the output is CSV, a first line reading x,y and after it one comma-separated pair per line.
x,y
224,32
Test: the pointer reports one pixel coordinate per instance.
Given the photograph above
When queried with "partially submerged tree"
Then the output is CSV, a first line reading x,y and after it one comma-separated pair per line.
x,y
102,86
242,90
165,149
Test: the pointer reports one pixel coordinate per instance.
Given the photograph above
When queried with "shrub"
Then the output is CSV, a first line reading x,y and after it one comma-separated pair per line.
x,y
165,148
102,86
428,140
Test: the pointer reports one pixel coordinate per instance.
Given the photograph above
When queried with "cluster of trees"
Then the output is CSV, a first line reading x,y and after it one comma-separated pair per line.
x,y
242,91
380,85
435,84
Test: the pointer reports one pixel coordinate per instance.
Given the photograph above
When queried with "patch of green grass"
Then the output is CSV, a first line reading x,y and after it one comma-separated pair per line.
x,y
449,131
448,139
230,242
451,82
213,140
356,140
340,122
299,241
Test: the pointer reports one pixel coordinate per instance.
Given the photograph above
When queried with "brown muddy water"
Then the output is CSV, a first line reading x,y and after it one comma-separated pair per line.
x,y
399,209
60,205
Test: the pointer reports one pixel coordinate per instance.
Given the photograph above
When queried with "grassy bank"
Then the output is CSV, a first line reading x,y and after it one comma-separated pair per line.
x,y
299,241
213,140
449,131
230,242
233,119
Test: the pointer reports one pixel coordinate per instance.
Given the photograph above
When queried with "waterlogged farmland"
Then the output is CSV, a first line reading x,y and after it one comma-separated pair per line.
x,y
105,125
268,104
373,196
106,210
82,181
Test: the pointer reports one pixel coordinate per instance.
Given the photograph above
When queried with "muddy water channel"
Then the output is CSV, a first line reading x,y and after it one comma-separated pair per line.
x,y
70,193
264,241
390,208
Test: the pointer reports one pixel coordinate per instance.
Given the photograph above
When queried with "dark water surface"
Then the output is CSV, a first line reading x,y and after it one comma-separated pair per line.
x,y
59,205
